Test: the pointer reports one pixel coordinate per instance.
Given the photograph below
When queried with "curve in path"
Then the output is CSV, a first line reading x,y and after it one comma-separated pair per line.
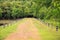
x,y
25,31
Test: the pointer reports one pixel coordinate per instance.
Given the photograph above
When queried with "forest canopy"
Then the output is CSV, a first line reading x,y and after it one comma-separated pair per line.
x,y
43,9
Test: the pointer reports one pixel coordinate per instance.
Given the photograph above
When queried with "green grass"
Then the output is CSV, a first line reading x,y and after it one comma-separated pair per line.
x,y
9,29
47,33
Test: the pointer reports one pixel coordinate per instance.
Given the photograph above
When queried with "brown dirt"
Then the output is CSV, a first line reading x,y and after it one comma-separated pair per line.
x,y
25,31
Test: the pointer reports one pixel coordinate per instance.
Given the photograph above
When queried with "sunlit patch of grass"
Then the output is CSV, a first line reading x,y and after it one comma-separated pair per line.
x,y
46,32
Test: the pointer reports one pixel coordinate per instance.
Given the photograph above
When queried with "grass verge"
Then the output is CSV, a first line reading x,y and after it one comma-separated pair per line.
x,y
9,29
45,32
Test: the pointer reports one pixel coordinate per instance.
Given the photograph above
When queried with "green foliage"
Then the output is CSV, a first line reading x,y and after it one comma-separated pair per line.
x,y
43,9
0,13
43,12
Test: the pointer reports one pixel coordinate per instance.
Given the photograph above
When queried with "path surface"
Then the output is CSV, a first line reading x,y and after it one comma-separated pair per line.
x,y
25,31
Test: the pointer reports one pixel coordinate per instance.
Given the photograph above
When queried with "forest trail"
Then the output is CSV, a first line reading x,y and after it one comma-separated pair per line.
x,y
25,31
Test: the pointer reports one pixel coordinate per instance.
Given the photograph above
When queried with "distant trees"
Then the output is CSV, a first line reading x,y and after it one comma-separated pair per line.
x,y
42,9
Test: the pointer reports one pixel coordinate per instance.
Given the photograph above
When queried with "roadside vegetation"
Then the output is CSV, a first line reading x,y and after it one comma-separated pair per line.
x,y
46,33
9,28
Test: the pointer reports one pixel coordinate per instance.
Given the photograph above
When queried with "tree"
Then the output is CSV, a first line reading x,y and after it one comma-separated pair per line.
x,y
0,13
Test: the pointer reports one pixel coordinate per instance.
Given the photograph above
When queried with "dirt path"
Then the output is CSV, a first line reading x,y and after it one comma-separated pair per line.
x,y
25,31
